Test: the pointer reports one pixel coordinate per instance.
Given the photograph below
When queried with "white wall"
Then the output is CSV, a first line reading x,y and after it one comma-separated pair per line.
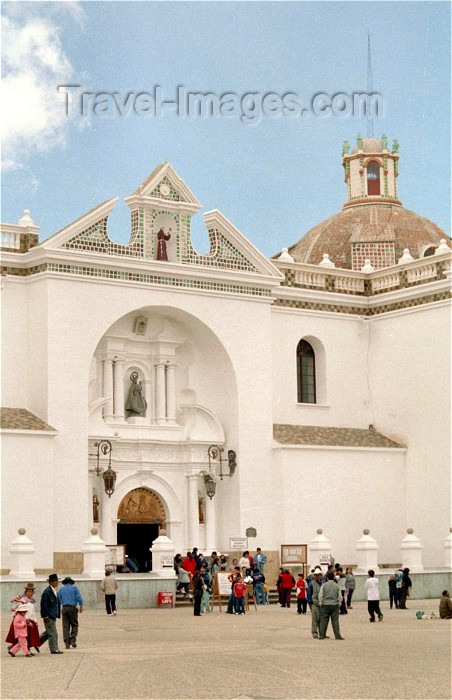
x,y
28,493
347,400
410,383
341,491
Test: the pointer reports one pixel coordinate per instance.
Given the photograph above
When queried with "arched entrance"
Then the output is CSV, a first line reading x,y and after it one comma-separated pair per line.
x,y
141,515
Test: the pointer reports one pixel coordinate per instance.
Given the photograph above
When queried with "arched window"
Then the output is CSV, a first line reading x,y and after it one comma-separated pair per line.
x,y
306,373
429,251
373,178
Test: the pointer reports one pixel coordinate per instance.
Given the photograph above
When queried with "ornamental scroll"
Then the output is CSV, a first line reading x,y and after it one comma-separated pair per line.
x,y
142,506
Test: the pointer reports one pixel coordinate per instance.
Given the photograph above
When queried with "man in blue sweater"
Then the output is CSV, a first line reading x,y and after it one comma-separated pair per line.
x,y
69,597
50,611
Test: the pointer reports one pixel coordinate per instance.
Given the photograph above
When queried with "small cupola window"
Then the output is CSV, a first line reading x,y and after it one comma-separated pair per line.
x,y
373,178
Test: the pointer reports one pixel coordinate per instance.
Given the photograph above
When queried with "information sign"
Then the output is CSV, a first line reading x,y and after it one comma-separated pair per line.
x,y
238,543
115,555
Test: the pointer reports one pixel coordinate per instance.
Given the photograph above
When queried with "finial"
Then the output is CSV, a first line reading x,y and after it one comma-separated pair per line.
x,y
21,531
410,531
367,267
395,146
345,148
26,219
442,248
366,531
285,255
326,262
94,530
406,257
384,142
359,141
319,531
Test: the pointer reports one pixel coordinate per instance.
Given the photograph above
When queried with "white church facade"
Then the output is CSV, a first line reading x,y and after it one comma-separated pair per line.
x,y
322,374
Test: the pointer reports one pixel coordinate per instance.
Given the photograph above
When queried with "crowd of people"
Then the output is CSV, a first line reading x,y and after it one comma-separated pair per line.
x,y
328,596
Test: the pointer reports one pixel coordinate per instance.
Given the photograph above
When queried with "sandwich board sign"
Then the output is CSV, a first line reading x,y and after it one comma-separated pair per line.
x,y
222,587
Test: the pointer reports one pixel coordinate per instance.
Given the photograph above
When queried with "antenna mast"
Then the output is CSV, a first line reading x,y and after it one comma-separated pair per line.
x,y
370,89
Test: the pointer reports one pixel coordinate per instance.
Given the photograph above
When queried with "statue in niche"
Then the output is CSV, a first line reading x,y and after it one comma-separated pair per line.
x,y
140,326
95,509
162,237
136,403
200,510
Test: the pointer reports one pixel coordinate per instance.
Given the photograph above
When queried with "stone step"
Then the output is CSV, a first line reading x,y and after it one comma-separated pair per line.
x,y
182,602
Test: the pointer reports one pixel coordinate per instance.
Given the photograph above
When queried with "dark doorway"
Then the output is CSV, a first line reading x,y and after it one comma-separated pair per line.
x,y
137,538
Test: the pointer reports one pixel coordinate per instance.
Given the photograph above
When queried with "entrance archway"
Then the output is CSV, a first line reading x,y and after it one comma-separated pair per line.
x,y
141,514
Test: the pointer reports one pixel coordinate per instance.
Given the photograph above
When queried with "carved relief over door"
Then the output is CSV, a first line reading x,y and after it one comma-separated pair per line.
x,y
142,506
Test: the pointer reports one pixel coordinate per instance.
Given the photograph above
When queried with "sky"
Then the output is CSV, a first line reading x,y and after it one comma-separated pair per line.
x,y
273,179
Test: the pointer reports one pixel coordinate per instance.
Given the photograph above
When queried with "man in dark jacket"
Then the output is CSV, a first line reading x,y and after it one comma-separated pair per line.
x,y
406,585
50,611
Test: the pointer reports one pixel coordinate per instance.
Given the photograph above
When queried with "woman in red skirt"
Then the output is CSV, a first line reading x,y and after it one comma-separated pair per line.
x,y
30,616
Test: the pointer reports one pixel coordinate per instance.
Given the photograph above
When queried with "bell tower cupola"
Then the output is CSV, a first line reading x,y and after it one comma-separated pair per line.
x,y
371,171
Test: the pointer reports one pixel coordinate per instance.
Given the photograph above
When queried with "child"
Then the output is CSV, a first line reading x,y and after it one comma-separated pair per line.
x,y
239,596
20,632
301,595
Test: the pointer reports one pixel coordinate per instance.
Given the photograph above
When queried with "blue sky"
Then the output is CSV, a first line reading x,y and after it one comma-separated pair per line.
x,y
273,180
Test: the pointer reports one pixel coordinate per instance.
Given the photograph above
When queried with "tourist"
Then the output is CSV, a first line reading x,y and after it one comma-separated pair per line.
x,y
405,590
330,570
314,591
239,596
350,585
341,582
373,597
198,590
310,577
207,590
26,598
50,611
69,598
131,564
398,575
246,560
301,595
189,564
203,561
196,557
223,562
215,566
286,585
232,579
20,631
329,602
234,565
278,585
445,606
392,591
108,587
177,561
260,560
183,582
258,584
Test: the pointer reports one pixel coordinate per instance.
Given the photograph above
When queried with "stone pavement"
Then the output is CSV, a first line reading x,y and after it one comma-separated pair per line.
x,y
265,654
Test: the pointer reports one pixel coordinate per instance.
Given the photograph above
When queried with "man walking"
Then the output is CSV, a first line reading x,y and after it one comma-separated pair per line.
x,y
69,597
330,600
50,610
373,597
313,594
108,586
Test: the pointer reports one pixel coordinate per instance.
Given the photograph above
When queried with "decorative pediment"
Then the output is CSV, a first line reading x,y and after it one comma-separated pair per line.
x,y
166,186
87,232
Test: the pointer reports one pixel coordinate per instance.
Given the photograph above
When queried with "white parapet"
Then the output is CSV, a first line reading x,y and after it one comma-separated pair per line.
x,y
411,549
163,552
22,556
448,550
94,551
367,553
319,550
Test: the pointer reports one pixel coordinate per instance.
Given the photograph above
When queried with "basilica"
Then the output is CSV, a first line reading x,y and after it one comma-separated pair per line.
x,y
149,387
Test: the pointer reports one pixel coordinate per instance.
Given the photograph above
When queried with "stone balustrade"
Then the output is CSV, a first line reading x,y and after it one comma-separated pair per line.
x,y
400,276
10,240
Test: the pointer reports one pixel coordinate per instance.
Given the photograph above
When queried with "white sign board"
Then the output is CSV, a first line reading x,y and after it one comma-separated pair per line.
x,y
223,583
166,560
115,555
238,543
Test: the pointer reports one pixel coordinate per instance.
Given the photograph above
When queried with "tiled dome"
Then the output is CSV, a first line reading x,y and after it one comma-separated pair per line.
x,y
370,145
367,223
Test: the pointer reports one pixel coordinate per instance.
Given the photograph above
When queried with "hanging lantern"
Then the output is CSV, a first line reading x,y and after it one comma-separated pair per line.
x,y
211,486
109,477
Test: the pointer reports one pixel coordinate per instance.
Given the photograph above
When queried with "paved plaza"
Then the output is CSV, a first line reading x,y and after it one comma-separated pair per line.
x,y
265,654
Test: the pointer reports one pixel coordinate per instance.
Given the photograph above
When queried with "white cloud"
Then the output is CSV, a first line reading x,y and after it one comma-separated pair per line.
x,y
33,117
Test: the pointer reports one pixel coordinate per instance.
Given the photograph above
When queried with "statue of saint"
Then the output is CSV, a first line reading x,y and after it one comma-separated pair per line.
x,y
161,246
136,403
